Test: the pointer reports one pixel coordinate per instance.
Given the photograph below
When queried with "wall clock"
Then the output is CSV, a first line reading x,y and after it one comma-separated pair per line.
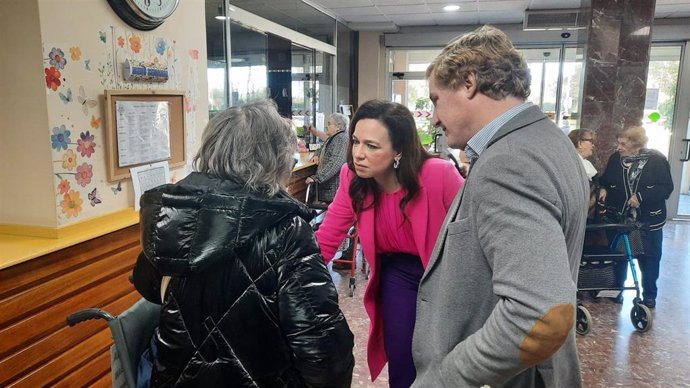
x,y
143,15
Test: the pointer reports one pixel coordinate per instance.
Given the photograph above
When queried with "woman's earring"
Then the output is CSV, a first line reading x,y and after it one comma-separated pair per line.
x,y
396,163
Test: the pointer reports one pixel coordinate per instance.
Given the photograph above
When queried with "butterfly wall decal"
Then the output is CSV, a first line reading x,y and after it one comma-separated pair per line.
x,y
93,197
117,189
85,102
66,97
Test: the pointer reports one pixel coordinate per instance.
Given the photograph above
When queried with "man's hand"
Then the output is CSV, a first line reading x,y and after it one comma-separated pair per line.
x,y
633,202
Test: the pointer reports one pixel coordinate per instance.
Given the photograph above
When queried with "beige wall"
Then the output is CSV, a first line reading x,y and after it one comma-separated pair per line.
x,y
26,188
95,43
372,67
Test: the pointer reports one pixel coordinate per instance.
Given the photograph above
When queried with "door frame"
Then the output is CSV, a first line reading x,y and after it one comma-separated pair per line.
x,y
680,131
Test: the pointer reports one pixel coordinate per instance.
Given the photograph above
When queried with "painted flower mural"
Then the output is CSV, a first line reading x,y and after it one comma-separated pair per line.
x,y
85,144
52,78
57,58
63,186
95,122
75,53
71,203
69,160
60,138
84,174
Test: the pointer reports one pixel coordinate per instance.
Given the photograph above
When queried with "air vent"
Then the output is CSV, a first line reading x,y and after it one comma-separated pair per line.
x,y
547,19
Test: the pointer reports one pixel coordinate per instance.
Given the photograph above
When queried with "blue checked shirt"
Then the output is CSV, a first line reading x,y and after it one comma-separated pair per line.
x,y
478,142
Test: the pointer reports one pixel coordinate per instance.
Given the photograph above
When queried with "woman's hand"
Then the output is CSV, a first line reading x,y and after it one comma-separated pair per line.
x,y
315,159
633,202
602,195
309,180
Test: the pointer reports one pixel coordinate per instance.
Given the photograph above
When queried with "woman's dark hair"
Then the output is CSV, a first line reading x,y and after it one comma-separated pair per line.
x,y
398,120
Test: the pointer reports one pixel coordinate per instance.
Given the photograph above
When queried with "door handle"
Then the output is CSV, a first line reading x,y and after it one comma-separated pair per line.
x,y
687,150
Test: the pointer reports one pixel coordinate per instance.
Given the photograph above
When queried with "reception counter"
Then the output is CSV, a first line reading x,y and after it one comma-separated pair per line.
x,y
42,280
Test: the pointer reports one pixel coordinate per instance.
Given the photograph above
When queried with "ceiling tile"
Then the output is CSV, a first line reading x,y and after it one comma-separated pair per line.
x,y
365,18
456,18
412,20
408,9
397,2
335,4
505,17
345,12
508,5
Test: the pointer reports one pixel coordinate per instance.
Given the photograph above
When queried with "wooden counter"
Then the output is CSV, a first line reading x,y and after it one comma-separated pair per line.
x,y
303,169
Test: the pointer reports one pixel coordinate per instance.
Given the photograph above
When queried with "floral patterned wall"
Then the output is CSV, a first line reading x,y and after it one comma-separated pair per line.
x,y
76,73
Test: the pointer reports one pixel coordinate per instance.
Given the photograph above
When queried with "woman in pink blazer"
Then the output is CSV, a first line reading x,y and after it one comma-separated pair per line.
x,y
398,195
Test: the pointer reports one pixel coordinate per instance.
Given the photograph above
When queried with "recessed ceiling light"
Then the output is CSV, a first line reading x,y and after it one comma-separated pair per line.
x,y
451,8
221,17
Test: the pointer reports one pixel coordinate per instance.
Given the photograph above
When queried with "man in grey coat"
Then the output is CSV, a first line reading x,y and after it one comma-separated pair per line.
x,y
496,304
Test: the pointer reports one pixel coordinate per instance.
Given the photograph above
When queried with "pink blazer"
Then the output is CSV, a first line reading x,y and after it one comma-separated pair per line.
x,y
439,181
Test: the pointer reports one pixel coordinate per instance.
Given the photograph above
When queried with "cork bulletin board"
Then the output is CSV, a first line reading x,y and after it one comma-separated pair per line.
x,y
142,127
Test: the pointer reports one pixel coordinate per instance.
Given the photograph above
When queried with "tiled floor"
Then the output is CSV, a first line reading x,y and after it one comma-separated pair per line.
x,y
613,354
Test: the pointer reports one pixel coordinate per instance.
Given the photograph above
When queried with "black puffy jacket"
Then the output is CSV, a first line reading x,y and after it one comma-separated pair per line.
x,y
250,302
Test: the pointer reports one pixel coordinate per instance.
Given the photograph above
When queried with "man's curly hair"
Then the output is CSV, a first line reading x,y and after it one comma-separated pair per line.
x,y
488,53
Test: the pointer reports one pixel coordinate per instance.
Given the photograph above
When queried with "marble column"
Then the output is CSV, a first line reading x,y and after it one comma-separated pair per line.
x,y
618,46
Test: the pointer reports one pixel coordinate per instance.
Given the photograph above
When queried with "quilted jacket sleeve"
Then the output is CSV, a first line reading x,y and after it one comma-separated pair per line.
x,y
147,279
315,328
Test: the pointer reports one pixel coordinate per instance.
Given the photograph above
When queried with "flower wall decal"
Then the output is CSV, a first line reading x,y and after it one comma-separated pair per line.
x,y
60,138
95,122
86,144
71,203
63,186
84,174
52,78
74,89
69,160
75,53
57,58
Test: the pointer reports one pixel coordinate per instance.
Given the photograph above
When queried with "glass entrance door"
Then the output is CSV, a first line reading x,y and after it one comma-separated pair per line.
x,y
667,107
684,181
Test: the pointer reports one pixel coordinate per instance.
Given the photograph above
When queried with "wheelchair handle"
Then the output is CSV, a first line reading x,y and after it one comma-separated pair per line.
x,y
86,314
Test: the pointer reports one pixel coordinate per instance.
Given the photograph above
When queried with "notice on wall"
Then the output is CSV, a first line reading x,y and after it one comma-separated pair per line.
x,y
143,132
145,178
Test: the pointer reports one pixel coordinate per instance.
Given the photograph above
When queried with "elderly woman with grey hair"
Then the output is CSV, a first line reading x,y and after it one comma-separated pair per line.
x,y
638,180
246,299
333,155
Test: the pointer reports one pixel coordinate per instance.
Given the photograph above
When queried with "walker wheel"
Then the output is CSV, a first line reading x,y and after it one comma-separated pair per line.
x,y
583,321
641,317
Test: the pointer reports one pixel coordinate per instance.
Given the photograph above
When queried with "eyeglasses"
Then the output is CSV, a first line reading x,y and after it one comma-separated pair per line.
x,y
589,140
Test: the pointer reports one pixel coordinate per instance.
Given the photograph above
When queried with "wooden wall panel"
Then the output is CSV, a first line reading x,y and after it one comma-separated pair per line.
x,y
37,347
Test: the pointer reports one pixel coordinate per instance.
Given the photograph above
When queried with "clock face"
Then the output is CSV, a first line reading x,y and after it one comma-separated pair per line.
x,y
156,9
144,15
